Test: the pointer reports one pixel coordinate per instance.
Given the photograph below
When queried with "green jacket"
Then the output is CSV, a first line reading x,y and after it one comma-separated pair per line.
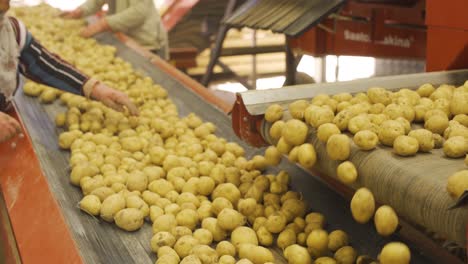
x,y
138,19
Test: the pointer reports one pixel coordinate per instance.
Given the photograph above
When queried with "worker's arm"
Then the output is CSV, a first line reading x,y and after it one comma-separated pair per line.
x,y
90,7
42,66
131,17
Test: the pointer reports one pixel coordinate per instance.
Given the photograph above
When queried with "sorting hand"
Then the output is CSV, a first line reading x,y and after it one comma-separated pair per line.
x,y
9,127
95,28
114,99
77,13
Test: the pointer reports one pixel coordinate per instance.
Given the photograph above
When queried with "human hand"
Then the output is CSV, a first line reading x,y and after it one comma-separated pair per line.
x,y
95,28
9,127
112,98
77,13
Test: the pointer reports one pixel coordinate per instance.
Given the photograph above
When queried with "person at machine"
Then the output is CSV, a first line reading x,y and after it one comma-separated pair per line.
x,y
139,19
21,53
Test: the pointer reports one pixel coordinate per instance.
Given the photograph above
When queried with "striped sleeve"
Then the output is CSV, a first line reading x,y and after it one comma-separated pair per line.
x,y
42,66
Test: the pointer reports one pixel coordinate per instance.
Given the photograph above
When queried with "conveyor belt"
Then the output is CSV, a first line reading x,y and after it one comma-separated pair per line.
x,y
101,242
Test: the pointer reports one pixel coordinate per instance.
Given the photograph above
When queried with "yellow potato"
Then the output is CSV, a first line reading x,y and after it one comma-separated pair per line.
x,y
162,239
405,146
243,235
366,139
342,97
345,255
306,155
283,147
379,95
297,109
457,183
385,220
359,123
456,147
341,120
265,238
286,238
274,113
296,254
320,116
326,130
338,147
347,172
437,124
129,219
229,219
337,239
317,242
362,205
325,260
276,130
389,131
425,90
206,254
276,223
458,104
226,248
295,132
184,246
91,204
424,138
395,253
211,224
256,254
48,95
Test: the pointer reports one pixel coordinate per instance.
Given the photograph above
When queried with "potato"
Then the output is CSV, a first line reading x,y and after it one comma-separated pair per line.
x,y
273,113
91,204
191,259
359,123
188,218
338,147
111,205
272,156
84,169
211,224
362,205
265,238
226,259
337,239
228,191
283,147
345,255
395,253
437,124
155,212
137,181
48,95
405,146
243,235
386,220
306,155
458,104
256,254
129,219
296,254
165,222
317,242
206,254
320,116
324,131
389,131
347,172
379,95
66,139
180,231
161,239
244,261
166,250
229,219
424,138
457,183
325,260
286,238
226,248
184,245
246,206
189,198
138,203
456,147
462,119
297,108
438,141
168,259
219,204
160,187
295,132
276,130
425,90
276,223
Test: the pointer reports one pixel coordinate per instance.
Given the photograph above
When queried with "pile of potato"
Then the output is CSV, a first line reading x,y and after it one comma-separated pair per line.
x,y
207,202
378,116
